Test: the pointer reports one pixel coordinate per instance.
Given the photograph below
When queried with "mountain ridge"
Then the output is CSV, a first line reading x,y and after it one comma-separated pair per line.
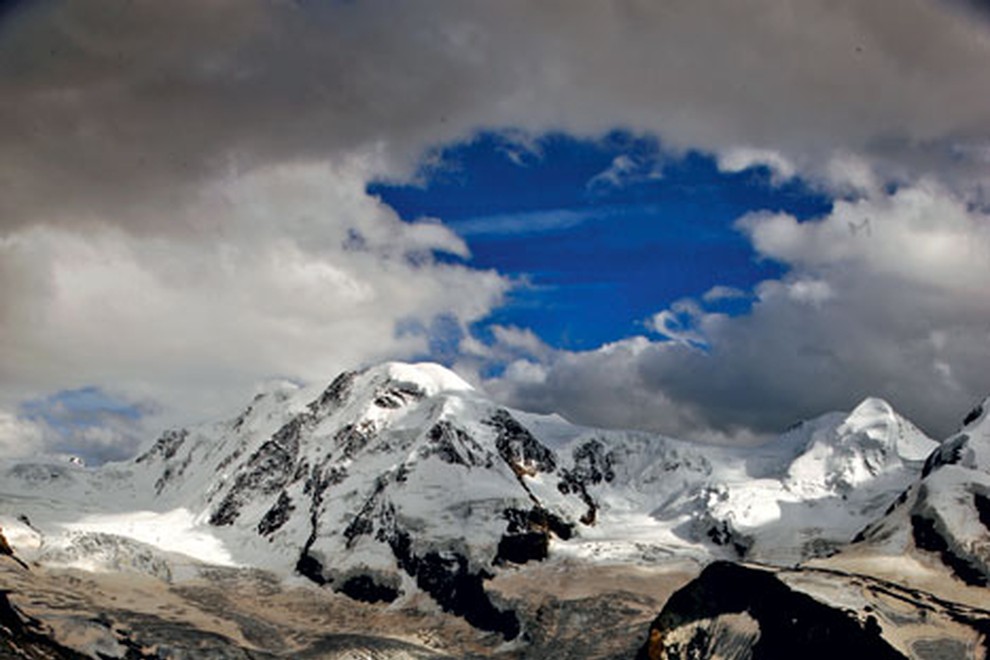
x,y
403,477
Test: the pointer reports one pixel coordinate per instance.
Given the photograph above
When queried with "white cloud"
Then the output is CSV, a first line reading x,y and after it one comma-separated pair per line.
x,y
184,212
192,321
737,159
813,292
923,234
903,313
625,170
722,292
19,437
679,323
524,223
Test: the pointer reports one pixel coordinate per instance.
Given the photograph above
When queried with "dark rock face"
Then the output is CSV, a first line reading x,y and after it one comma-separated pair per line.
x,y
928,536
395,395
266,472
24,637
721,533
517,446
948,453
456,446
166,446
448,578
165,449
351,439
982,504
374,509
527,537
277,516
310,568
365,588
973,415
171,473
335,394
696,622
592,466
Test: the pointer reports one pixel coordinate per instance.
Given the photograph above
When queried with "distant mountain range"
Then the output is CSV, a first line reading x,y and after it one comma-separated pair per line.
x,y
401,483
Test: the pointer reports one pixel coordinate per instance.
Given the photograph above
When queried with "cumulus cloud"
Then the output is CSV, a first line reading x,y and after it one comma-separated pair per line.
x,y
313,278
738,159
19,437
182,202
108,106
903,313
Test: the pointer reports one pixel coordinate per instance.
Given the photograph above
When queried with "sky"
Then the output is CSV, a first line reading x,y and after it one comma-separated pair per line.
x,y
700,218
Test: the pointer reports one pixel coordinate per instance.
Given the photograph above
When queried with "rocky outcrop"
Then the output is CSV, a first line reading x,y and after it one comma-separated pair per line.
x,y
455,585
527,536
266,472
518,447
738,611
22,636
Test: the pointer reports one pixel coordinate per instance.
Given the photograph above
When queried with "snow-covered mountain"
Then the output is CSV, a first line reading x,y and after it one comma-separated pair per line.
x,y
946,513
403,478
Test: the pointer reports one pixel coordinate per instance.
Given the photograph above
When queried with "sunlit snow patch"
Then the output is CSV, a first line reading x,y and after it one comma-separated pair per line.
x,y
171,531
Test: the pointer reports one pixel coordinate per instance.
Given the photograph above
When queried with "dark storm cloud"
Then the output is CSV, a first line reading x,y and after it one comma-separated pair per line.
x,y
178,181
111,105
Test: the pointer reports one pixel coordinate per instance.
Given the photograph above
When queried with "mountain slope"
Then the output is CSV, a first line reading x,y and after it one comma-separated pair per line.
x,y
403,478
945,516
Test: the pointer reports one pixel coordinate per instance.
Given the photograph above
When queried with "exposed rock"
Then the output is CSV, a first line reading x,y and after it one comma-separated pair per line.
x,y
395,395
449,579
949,452
456,446
351,439
166,446
928,535
266,472
738,611
517,446
527,537
22,636
592,466
277,516
335,394
367,589
973,415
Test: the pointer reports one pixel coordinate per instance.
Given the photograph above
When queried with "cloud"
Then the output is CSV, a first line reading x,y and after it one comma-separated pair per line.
x,y
738,159
902,313
721,292
136,106
19,437
625,170
314,277
182,202
525,223
86,423
679,323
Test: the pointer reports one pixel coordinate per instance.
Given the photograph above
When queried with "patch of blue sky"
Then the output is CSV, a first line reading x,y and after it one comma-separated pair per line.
x,y
68,411
604,232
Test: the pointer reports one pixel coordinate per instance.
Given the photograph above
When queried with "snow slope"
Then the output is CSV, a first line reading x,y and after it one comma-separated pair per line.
x,y
403,477
946,513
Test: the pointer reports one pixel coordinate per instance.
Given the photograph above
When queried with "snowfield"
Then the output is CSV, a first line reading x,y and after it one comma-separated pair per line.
x,y
411,455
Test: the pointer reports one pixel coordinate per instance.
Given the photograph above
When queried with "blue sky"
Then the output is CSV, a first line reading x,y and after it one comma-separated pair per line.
x,y
199,198
601,233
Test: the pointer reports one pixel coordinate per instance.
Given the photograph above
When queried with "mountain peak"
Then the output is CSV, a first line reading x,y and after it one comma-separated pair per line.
x,y
876,420
872,406
430,377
